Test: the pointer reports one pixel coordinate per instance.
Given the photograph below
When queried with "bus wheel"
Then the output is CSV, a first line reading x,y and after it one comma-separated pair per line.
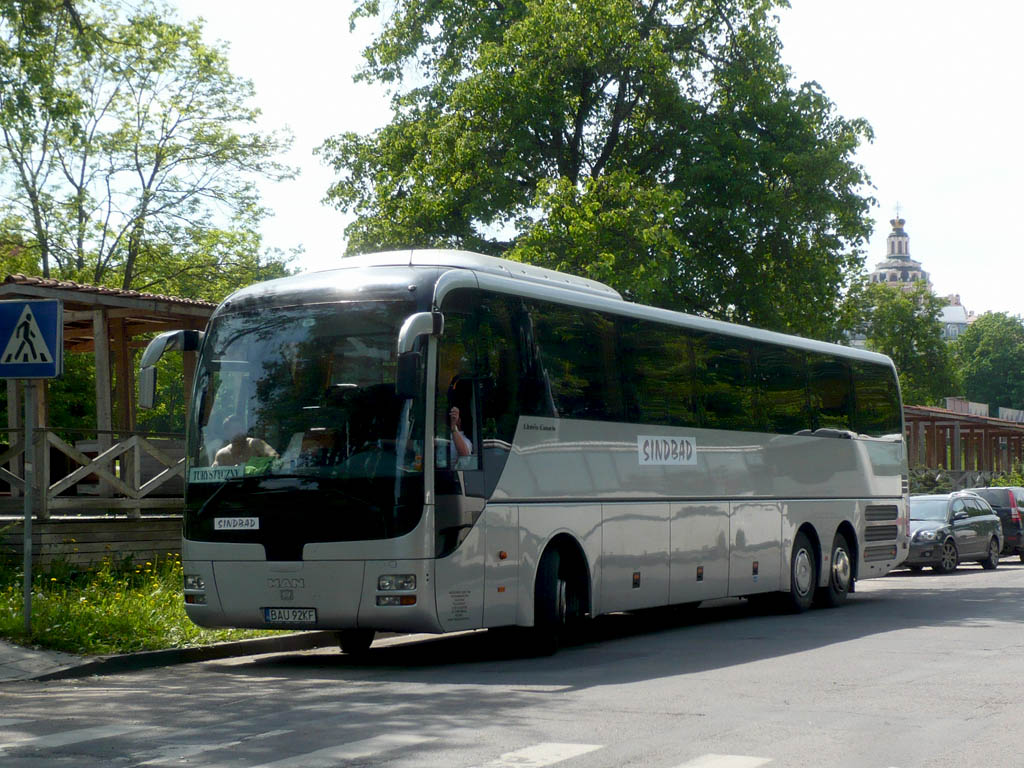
x,y
840,575
803,575
551,604
355,641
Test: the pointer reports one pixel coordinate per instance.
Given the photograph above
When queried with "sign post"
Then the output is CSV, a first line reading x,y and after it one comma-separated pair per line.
x,y
31,347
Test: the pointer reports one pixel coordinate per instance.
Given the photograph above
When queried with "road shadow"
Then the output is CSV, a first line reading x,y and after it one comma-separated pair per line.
x,y
631,647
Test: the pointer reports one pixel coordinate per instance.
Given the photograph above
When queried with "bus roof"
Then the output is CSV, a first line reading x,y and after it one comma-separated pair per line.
x,y
479,263
539,283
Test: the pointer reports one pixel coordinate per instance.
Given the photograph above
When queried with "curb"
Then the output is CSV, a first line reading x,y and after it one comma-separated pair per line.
x,y
128,662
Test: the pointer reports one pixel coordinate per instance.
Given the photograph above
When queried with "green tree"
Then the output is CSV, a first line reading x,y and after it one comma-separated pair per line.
x,y
656,145
159,155
990,354
906,327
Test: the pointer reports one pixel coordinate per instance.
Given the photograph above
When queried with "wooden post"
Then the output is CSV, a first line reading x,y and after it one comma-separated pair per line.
x,y
958,463
15,422
104,411
41,454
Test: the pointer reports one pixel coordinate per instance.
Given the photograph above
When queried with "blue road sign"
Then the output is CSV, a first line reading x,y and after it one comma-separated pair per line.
x,y
31,339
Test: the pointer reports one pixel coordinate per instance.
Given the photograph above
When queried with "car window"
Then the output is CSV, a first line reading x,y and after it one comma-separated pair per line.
x,y
959,506
978,508
995,496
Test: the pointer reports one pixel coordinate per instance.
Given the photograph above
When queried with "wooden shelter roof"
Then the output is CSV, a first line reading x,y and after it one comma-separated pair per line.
x,y
142,313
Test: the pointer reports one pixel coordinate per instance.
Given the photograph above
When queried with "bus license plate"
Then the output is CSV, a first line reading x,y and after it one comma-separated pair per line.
x,y
289,615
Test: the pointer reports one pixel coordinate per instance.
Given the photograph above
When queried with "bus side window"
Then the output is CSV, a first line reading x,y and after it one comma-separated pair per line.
x,y
580,357
724,375
782,402
455,419
656,373
831,392
877,400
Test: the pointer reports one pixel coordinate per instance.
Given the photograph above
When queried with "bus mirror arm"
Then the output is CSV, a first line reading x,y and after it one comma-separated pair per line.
x,y
407,376
186,341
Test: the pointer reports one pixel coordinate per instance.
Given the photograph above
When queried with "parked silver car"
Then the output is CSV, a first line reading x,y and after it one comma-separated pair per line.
x,y
948,528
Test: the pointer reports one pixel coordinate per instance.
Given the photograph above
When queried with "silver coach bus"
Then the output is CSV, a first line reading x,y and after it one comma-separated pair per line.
x,y
434,441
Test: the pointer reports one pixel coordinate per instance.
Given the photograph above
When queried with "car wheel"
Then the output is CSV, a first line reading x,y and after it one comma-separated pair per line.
x,y
803,575
840,575
949,557
991,562
1021,555
355,641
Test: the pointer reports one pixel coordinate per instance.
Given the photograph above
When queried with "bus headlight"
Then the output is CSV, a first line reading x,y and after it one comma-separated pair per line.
x,y
403,582
195,582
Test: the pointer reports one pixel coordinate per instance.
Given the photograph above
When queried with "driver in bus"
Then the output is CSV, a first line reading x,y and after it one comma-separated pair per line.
x,y
460,447
240,447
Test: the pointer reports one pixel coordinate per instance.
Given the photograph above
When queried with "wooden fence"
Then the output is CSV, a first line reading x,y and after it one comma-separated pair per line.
x,y
113,480
87,540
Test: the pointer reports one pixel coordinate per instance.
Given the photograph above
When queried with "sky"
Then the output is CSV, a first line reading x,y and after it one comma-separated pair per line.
x,y
939,82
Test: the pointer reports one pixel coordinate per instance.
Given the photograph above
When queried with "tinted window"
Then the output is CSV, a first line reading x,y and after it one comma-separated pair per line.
x,y
657,373
579,354
782,402
831,391
997,496
877,398
724,382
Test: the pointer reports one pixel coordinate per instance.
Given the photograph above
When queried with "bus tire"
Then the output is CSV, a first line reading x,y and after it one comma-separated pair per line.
x,y
803,575
840,579
550,605
355,641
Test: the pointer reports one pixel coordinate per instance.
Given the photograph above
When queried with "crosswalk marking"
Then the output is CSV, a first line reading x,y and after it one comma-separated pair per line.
x,y
726,761
329,757
540,755
64,738
175,753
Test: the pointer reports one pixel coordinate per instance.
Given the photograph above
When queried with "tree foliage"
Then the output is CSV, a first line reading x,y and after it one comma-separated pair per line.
x,y
906,327
657,145
150,164
990,354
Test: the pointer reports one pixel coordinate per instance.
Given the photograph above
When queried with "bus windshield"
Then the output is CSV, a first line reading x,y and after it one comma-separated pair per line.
x,y
307,393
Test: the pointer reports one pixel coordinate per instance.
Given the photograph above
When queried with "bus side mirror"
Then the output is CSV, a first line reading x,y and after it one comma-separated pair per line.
x,y
407,377
186,341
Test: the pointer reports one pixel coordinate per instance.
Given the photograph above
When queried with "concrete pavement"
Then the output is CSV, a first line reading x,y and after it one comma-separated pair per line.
x,y
19,663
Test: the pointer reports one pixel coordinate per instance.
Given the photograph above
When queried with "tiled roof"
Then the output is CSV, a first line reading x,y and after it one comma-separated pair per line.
x,y
68,285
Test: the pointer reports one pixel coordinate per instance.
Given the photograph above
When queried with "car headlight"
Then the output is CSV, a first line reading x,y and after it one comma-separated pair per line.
x,y
925,536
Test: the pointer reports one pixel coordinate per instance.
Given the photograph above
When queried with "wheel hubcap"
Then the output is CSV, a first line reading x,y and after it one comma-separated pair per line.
x,y
802,571
948,556
841,570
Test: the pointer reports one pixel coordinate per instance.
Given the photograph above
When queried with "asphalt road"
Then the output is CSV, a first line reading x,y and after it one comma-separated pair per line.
x,y
914,671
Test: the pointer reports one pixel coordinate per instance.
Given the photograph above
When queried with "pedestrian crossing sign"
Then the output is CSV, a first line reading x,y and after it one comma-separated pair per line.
x,y
31,339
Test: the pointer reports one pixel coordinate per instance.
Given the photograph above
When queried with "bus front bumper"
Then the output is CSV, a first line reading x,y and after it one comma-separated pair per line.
x,y
385,595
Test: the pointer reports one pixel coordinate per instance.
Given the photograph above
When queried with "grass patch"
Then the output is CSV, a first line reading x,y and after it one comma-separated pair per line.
x,y
118,607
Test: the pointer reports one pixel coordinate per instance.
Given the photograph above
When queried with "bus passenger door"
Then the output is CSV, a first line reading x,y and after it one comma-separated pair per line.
x,y
755,563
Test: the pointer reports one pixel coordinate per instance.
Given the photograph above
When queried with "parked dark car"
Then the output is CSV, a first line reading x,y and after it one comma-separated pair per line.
x,y
1008,503
948,528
